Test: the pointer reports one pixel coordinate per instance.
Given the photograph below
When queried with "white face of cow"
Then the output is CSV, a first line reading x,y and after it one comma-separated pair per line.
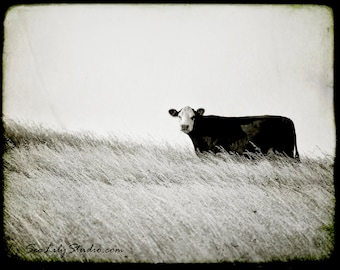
x,y
186,118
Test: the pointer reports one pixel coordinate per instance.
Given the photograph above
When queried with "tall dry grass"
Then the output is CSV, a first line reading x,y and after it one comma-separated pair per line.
x,y
76,197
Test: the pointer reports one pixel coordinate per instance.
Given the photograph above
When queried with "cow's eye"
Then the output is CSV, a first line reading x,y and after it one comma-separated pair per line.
x,y
193,118
180,117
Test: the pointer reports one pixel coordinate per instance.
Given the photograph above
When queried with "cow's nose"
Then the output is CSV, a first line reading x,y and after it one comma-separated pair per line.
x,y
184,127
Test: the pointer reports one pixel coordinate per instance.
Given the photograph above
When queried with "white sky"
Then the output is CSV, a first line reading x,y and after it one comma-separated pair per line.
x,y
120,68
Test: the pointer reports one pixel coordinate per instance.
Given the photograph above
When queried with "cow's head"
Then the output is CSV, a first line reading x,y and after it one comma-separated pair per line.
x,y
186,117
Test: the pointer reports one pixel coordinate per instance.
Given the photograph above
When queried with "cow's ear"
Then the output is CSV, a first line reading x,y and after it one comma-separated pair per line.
x,y
173,112
200,111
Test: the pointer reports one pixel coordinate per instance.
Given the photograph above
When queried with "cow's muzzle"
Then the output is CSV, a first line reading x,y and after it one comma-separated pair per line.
x,y
185,128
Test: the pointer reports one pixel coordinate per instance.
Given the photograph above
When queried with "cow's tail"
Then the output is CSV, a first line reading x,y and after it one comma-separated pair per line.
x,y
297,156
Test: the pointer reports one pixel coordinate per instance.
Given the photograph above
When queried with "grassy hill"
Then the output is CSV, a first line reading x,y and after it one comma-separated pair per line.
x,y
76,197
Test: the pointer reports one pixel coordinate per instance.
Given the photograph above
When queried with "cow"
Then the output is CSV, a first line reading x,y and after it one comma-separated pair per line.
x,y
254,134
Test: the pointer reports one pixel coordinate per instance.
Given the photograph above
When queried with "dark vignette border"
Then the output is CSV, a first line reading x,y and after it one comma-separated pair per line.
x,y
14,262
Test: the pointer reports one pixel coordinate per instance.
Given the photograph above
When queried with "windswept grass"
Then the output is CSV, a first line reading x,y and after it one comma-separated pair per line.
x,y
75,197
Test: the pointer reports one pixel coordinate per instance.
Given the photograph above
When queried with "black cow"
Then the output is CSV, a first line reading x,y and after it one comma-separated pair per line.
x,y
238,134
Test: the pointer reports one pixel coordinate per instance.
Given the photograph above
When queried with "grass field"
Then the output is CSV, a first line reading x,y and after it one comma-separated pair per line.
x,y
77,197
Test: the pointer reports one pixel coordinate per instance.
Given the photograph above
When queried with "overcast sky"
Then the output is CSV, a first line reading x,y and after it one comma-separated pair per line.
x,y
118,69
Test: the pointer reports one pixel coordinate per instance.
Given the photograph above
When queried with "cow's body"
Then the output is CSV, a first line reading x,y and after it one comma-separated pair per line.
x,y
238,134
